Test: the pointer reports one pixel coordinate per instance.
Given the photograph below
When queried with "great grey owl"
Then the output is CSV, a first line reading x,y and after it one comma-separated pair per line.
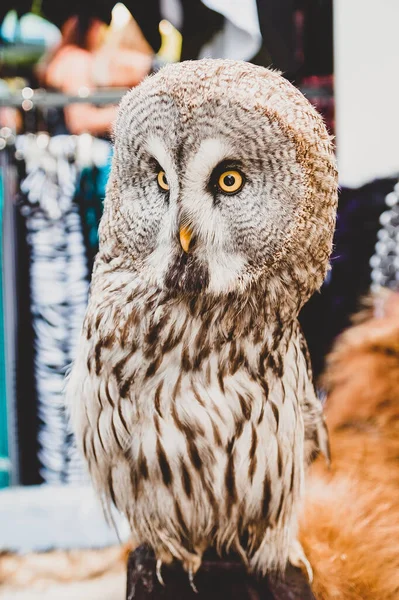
x,y
191,395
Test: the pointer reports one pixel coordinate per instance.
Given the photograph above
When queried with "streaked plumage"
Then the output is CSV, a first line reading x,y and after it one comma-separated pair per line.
x,y
191,394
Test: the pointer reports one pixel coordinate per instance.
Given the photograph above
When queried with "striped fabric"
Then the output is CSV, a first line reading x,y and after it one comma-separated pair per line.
x,y
59,280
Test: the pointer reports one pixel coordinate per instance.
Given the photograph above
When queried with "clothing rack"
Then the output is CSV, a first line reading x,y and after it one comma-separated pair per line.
x,y
56,201
28,98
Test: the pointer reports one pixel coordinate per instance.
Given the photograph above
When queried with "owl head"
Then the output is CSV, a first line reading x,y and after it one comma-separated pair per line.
x,y
223,179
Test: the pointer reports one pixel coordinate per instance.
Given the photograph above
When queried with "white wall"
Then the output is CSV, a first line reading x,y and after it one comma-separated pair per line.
x,y
366,48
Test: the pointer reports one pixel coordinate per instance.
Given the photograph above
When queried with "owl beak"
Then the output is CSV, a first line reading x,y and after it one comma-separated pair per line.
x,y
185,235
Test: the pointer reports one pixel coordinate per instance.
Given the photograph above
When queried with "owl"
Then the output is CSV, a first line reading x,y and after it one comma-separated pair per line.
x,y
191,395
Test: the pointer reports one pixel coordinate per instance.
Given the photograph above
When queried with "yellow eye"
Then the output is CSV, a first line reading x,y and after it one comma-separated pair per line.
x,y
162,181
230,182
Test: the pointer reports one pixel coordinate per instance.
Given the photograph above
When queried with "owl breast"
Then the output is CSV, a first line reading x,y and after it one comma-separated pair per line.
x,y
193,439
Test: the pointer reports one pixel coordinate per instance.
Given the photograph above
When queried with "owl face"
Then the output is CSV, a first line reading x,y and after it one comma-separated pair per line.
x,y
207,185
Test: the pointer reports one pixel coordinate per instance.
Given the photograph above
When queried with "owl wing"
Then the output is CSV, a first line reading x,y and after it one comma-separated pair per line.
x,y
316,433
99,420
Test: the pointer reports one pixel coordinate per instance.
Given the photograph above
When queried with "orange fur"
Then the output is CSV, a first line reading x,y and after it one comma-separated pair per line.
x,y
350,526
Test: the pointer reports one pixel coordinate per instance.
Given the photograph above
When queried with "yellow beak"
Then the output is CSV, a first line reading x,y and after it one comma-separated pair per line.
x,y
185,237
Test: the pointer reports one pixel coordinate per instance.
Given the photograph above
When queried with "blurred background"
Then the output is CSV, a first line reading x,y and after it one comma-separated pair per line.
x,y
63,68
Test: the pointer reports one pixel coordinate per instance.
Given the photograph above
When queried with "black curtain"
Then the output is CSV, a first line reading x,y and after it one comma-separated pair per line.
x,y
329,312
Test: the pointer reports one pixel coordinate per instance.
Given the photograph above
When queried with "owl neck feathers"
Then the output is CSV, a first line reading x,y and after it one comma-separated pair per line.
x,y
262,315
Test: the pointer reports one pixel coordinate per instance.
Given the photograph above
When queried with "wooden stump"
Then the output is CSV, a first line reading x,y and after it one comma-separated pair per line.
x,y
217,579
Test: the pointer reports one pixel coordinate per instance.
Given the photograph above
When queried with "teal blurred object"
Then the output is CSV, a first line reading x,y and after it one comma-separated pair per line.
x,y
29,29
89,196
23,41
4,451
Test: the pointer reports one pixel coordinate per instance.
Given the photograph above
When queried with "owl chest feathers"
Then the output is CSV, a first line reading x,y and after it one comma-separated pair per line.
x,y
181,417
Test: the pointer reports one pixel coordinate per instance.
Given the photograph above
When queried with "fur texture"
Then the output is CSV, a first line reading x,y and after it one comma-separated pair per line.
x,y
351,523
191,395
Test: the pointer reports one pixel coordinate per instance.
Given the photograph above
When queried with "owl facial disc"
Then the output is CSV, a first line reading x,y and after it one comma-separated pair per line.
x,y
223,181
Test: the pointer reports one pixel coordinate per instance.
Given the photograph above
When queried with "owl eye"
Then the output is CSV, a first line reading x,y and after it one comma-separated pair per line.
x,y
230,182
162,181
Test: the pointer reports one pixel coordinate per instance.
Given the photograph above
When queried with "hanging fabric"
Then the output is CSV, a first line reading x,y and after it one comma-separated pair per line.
x,y
59,280
89,197
385,260
328,313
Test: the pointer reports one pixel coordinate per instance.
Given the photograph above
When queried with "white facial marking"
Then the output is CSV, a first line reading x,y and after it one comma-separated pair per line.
x,y
224,269
224,264
196,200
210,153
159,259
156,147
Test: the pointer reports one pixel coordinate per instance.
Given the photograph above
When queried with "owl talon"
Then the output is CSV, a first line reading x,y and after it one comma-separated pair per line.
x,y
298,559
191,580
159,572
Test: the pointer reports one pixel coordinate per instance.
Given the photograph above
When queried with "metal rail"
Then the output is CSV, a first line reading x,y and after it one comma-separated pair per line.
x,y
27,98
